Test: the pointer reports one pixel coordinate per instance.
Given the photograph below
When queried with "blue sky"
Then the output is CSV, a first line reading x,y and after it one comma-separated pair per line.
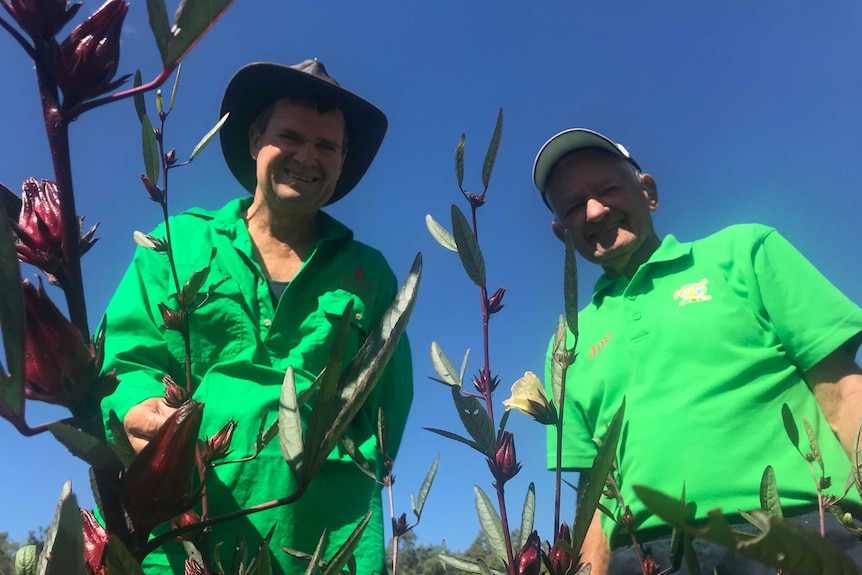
x,y
743,112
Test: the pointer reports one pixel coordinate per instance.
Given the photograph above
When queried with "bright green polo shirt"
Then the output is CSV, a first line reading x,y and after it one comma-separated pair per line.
x,y
706,342
241,346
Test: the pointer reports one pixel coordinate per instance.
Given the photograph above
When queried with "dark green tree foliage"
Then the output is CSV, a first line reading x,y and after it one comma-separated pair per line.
x,y
417,559
7,554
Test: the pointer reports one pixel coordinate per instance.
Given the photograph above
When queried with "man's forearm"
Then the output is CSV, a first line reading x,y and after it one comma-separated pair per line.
x,y
837,385
595,549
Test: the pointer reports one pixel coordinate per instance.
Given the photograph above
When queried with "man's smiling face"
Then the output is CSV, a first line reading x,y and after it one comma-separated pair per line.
x,y
298,156
606,206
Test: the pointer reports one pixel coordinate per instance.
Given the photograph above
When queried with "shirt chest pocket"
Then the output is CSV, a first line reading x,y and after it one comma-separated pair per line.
x,y
318,330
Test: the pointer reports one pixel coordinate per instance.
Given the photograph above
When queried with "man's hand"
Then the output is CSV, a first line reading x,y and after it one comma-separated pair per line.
x,y
837,385
144,420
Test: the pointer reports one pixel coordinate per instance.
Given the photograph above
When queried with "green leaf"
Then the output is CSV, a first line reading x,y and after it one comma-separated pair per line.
x,y
493,148
468,247
790,426
86,447
317,556
118,559
193,286
63,553
528,514
602,465
260,564
152,165
464,365
444,366
782,544
140,104
176,86
356,456
122,447
192,20
11,321
556,368
475,420
25,560
769,500
159,108
265,434
208,137
425,488
456,437
812,441
459,160
158,14
345,552
441,234
290,425
491,524
501,427
463,564
570,284
677,540
358,379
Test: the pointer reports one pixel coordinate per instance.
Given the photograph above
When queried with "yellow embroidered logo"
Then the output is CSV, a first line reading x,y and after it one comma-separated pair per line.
x,y
692,293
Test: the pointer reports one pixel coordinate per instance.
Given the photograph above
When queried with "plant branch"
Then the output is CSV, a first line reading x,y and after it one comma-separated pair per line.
x,y
559,468
511,568
89,105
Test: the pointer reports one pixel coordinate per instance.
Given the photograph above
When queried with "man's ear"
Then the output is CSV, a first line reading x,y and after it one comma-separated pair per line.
x,y
650,191
558,230
253,141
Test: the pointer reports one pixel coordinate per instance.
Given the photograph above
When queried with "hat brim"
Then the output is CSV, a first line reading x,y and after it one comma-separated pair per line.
x,y
566,142
255,86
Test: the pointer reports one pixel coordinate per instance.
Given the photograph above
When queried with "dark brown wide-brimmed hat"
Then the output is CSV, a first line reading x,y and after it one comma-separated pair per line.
x,y
255,86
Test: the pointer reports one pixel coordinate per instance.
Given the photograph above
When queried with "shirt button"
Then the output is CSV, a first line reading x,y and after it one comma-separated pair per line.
x,y
267,323
358,316
636,316
630,297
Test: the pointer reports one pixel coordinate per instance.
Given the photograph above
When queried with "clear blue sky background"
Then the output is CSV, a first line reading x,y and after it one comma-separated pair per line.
x,y
743,112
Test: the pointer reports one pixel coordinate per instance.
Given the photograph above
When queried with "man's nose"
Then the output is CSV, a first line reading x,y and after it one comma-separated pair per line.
x,y
305,153
595,210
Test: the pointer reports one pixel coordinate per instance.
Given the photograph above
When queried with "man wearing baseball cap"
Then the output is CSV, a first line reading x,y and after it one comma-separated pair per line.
x,y
706,341
282,276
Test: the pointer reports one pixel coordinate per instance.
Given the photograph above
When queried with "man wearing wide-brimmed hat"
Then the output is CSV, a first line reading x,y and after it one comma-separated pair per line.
x,y
282,276
706,341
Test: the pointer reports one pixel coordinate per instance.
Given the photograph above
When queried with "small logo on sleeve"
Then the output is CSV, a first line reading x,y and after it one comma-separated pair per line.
x,y
692,293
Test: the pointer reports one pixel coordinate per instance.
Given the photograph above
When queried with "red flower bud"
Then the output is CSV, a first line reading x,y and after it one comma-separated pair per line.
x,y
172,320
156,193
88,58
561,563
60,368
484,382
175,395
649,566
41,18
495,302
157,485
171,157
190,517
399,526
504,465
476,200
95,539
529,558
40,229
194,568
218,446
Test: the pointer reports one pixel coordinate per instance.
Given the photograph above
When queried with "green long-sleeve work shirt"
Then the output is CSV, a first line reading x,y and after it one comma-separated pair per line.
x,y
242,344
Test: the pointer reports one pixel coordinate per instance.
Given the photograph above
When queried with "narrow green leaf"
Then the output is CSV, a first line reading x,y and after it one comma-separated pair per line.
x,y
441,234
192,20
425,488
459,160
122,447
483,567
790,425
208,137
812,440
677,540
140,104
468,247
528,515
118,559
691,560
357,457
265,434
260,564
464,365
358,379
456,437
491,524
557,369
176,86
502,425
444,366
152,165
86,447
290,425
63,553
493,148
317,556
769,500
602,465
192,287
570,284
11,321
475,420
159,102
25,560
345,552
460,564
158,15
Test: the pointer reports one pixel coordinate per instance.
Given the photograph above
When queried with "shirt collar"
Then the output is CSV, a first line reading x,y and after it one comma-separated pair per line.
x,y
670,249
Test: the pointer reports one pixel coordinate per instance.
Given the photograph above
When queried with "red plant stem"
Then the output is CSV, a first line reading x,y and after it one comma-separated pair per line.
x,y
819,500
501,501
558,479
89,105
19,38
57,129
622,503
483,296
392,517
